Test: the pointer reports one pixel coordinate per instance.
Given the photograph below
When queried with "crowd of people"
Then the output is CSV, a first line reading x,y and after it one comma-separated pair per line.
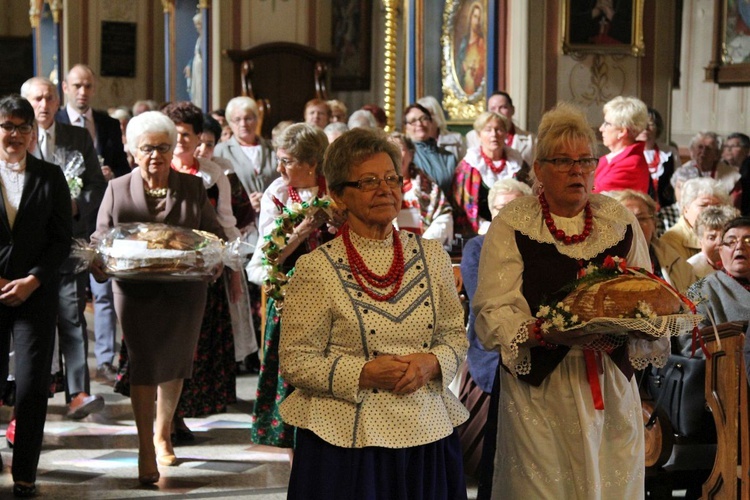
x,y
350,291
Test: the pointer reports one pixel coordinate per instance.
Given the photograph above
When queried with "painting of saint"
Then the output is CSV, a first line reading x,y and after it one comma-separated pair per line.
x,y
601,22
471,52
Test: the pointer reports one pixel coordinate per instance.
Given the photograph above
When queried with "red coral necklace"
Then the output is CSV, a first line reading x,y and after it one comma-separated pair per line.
x,y
394,276
491,164
559,234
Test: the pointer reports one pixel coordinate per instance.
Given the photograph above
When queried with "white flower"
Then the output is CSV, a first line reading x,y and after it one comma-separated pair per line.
x,y
543,312
566,308
296,207
546,326
574,318
559,305
558,322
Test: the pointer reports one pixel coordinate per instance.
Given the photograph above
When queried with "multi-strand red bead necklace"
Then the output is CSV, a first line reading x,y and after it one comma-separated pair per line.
x,y
559,234
491,164
393,277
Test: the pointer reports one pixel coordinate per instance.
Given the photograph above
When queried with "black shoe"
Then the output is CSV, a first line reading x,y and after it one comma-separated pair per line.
x,y
252,363
106,373
182,436
23,491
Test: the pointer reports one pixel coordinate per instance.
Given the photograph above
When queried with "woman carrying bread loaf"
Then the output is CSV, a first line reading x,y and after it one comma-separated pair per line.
x,y
569,419
160,320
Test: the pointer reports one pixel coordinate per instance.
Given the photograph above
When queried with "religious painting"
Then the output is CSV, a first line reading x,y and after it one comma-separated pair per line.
x,y
465,47
350,31
602,26
731,61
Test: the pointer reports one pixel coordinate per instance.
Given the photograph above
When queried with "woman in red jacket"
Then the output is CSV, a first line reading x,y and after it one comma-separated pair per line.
x,y
624,167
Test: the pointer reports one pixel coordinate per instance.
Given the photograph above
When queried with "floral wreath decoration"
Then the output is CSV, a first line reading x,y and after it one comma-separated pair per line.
x,y
275,242
642,318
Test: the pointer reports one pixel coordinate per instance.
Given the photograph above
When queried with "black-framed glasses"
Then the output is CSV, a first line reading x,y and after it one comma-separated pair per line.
x,y
372,183
422,119
10,127
732,242
563,164
148,149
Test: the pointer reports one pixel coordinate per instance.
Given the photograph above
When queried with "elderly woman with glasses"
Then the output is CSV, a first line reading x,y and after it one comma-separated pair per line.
x,y
432,159
251,155
665,262
299,150
160,320
372,334
726,293
559,435
35,232
624,167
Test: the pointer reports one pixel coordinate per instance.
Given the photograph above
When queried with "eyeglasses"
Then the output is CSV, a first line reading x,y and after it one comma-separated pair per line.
x,y
285,162
148,149
24,128
422,119
373,183
732,242
563,165
245,119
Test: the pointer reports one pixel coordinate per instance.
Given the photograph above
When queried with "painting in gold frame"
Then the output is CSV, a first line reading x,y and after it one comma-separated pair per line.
x,y
465,63
602,26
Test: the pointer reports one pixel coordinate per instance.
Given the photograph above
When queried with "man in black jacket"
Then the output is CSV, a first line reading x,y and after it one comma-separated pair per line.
x,y
60,144
79,87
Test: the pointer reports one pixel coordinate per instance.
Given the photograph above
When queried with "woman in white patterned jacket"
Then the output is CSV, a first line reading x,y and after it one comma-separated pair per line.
x,y
372,334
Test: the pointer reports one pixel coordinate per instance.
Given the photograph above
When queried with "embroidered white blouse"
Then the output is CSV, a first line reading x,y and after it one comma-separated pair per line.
x,y
501,310
330,328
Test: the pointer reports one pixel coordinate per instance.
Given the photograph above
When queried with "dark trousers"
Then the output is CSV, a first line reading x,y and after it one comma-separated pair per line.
x,y
71,327
32,326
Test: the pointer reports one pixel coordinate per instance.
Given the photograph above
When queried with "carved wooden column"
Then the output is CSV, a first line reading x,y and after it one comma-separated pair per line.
x,y
389,71
726,395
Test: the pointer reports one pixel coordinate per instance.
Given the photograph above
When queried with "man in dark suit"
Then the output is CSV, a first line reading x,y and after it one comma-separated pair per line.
x,y
35,231
61,144
79,87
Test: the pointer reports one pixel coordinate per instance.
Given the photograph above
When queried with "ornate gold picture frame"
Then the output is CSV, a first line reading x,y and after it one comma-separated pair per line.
x,y
466,58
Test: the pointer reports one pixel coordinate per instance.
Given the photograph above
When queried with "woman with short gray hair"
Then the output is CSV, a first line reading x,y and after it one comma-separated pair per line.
x,y
624,167
252,156
299,149
696,194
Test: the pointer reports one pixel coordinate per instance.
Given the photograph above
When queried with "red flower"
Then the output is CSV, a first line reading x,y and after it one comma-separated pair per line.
x,y
609,262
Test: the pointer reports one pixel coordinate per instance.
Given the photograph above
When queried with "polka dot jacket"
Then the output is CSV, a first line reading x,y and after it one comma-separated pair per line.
x,y
330,328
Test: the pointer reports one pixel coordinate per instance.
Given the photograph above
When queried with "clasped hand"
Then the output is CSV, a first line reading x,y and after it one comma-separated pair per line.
x,y
399,374
14,293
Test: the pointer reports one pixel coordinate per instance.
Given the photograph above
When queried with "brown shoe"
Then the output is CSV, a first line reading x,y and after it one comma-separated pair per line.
x,y
83,405
106,373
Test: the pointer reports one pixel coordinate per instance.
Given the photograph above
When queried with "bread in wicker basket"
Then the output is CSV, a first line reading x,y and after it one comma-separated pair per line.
x,y
620,296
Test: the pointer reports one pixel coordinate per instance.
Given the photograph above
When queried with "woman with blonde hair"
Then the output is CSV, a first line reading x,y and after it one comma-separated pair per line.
x,y
560,435
480,169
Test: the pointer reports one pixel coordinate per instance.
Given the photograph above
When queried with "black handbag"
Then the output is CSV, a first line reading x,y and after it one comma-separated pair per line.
x,y
678,389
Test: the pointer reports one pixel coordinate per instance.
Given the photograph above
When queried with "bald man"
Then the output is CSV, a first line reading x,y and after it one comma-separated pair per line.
x,y
79,87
